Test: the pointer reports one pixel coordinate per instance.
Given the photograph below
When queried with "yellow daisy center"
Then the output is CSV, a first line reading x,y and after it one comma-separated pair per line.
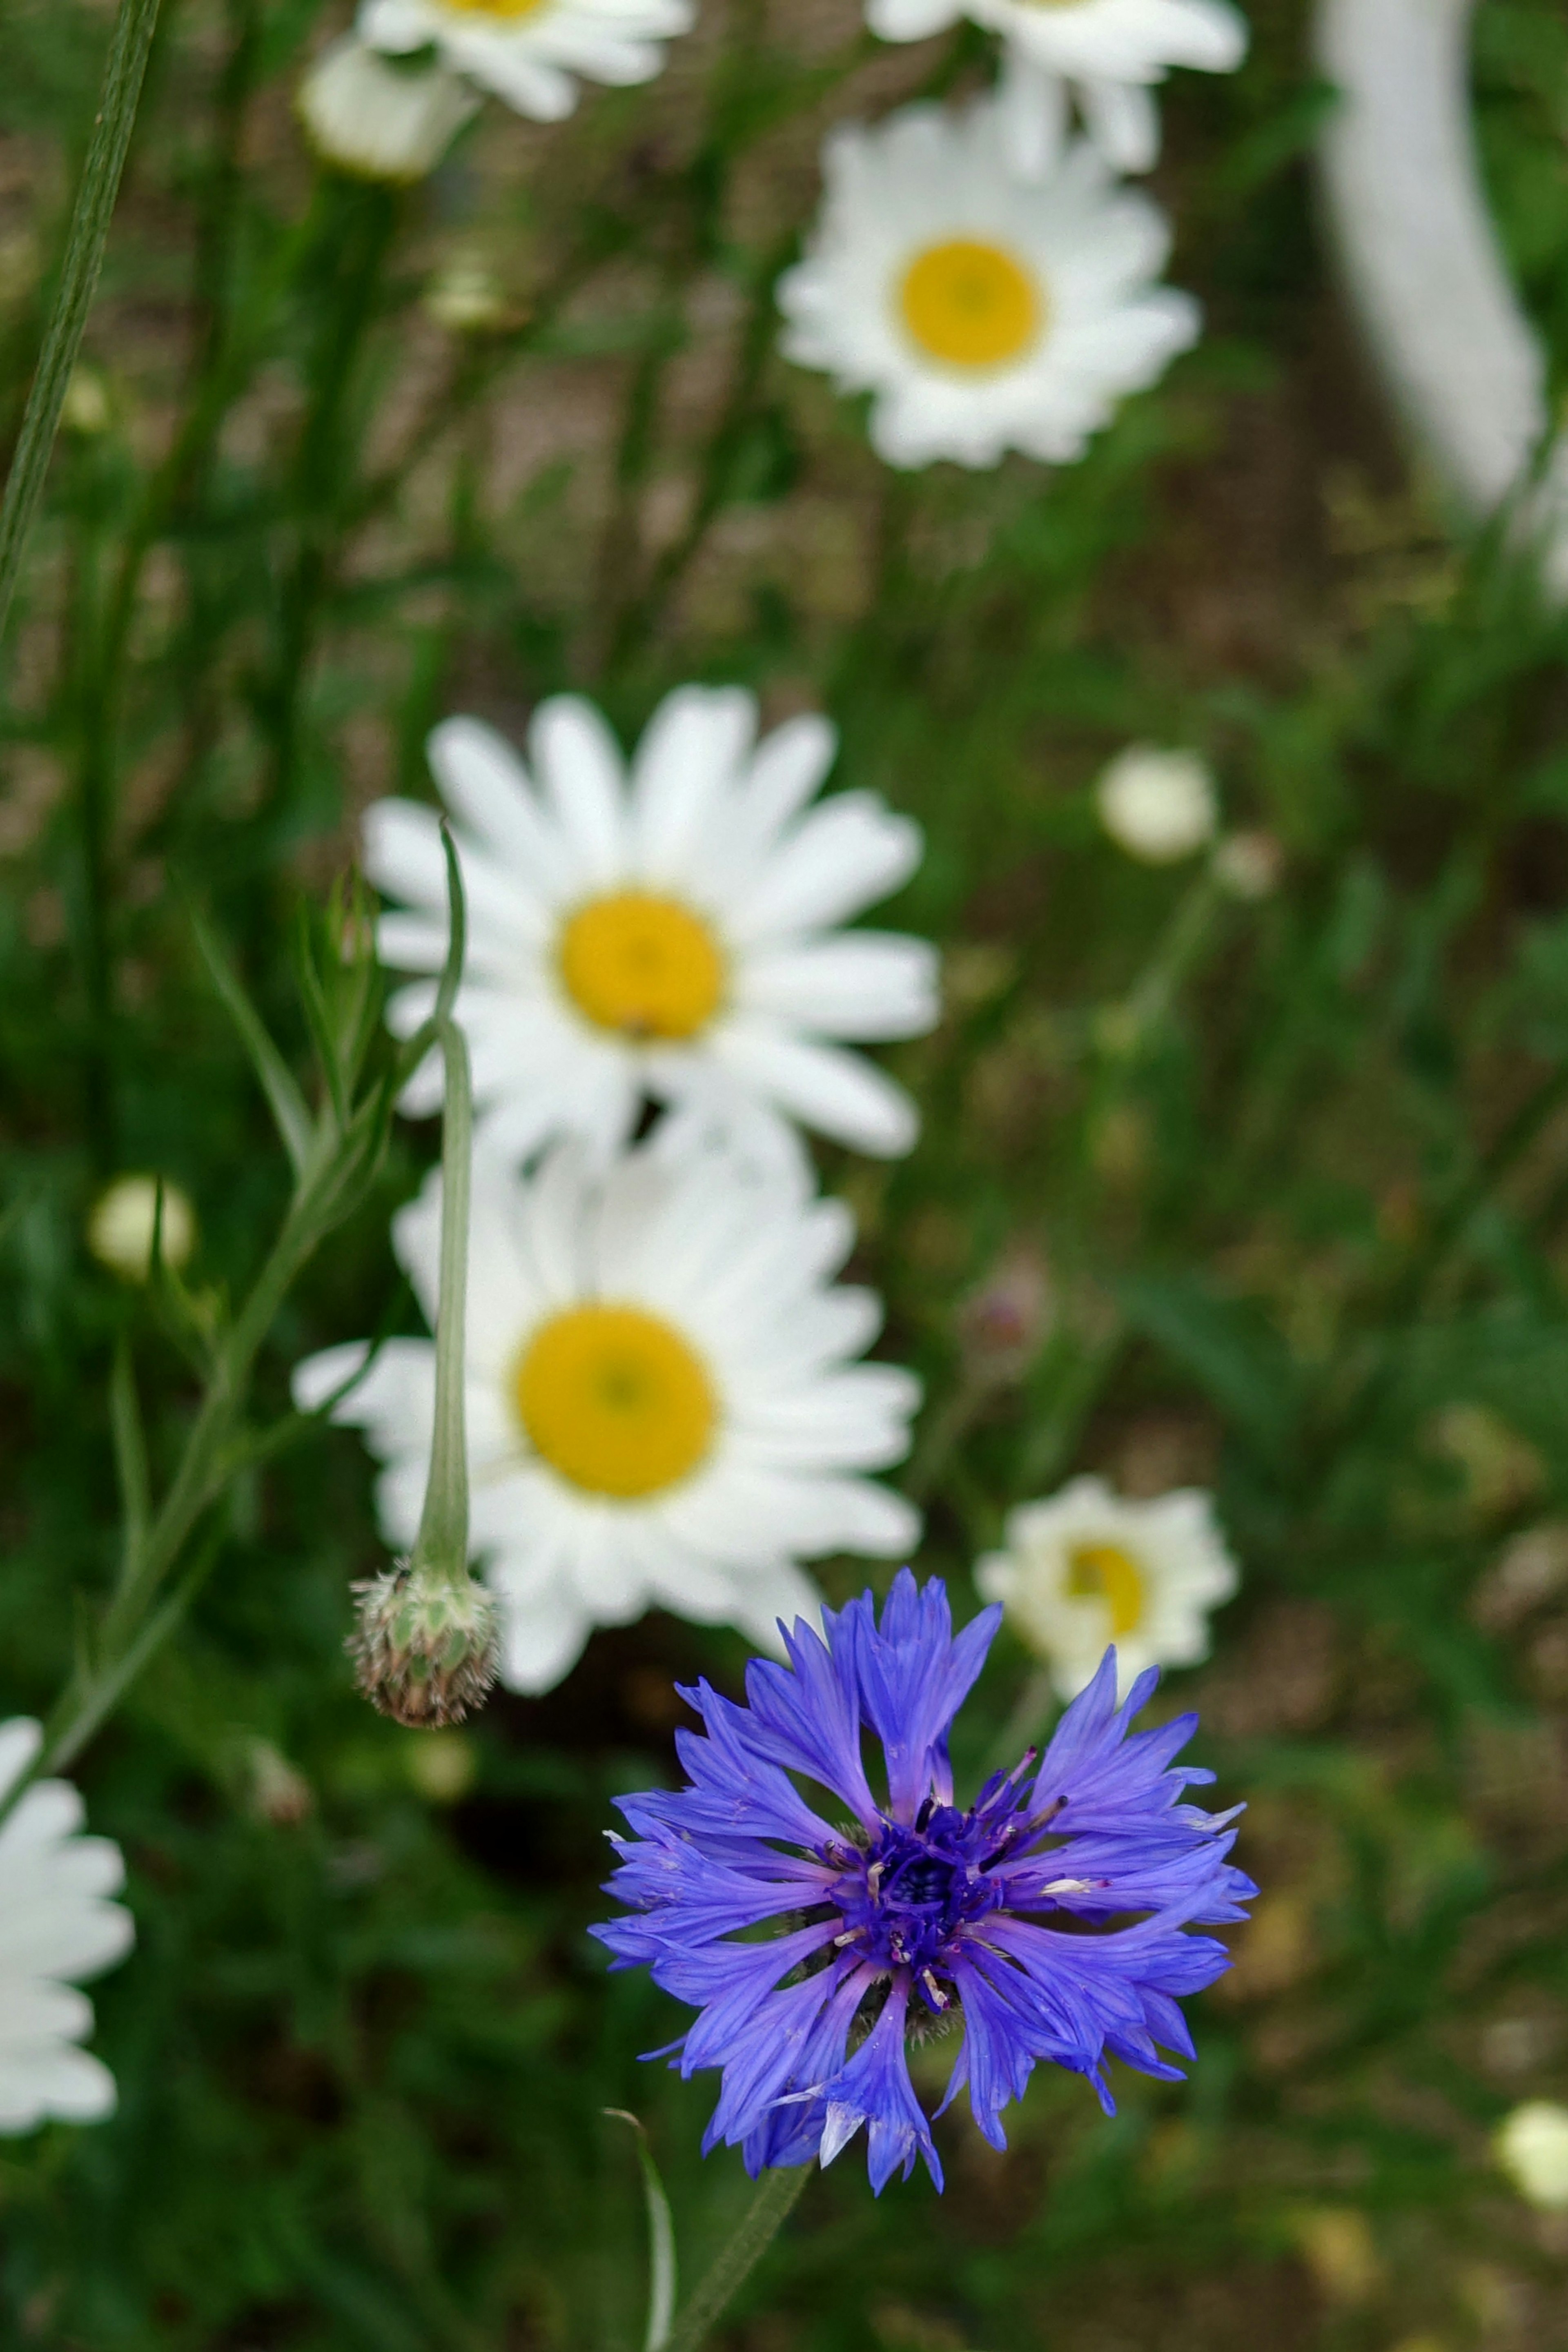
x,y
643,965
972,305
1105,1573
616,1401
512,9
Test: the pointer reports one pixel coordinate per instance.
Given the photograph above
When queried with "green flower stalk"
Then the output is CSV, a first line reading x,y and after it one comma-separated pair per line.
x,y
129,46
427,1643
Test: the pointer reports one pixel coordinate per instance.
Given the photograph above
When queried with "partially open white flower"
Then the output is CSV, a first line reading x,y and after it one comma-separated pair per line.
x,y
530,52
1159,806
1106,54
984,313
120,1228
1088,1568
1532,2148
663,1404
673,934
379,120
57,1924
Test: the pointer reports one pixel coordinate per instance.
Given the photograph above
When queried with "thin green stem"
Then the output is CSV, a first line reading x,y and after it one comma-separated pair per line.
x,y
776,2197
443,1541
128,52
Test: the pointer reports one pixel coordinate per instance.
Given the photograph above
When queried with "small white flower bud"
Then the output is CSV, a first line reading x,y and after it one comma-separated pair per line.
x,y
466,299
378,118
1532,2148
1249,864
85,408
425,1648
121,1226
1159,806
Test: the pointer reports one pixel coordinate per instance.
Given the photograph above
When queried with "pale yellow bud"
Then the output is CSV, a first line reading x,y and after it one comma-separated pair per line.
x,y
121,1227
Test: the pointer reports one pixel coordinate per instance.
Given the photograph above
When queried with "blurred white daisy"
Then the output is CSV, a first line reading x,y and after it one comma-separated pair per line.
x,y
531,52
984,313
1088,1568
664,1409
57,1924
673,935
1159,806
380,120
1106,54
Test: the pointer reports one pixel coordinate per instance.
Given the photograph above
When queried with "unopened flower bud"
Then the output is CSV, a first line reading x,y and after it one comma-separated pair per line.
x,y
1004,1323
85,409
466,299
425,1648
1249,864
1532,2148
1159,806
278,1791
124,1218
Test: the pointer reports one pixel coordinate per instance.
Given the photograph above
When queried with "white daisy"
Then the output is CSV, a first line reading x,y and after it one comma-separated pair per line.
x,y
663,1406
984,313
381,121
57,1923
1088,1568
1106,54
671,936
530,52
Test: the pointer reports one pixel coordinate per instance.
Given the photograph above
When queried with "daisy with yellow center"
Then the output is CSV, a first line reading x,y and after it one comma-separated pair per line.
x,y
533,53
664,1402
983,311
1108,56
669,935
1088,1568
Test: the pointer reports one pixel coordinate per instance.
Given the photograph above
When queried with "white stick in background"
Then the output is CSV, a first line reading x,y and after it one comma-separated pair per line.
x,y
1421,260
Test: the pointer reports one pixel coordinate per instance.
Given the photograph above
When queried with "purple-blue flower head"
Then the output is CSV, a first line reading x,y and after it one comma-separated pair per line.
x,y
816,1948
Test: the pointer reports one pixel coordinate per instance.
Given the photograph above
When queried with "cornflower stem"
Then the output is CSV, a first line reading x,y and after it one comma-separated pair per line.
x,y
777,2194
129,49
443,1540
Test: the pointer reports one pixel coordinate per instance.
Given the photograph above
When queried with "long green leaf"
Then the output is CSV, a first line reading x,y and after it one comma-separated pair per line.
x,y
284,1099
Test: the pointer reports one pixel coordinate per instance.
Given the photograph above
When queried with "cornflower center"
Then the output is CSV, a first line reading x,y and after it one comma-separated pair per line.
x,y
642,965
617,1399
972,305
909,1897
1105,1573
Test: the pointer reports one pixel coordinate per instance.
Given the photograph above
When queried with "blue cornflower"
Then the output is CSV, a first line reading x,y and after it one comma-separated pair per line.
x,y
914,1914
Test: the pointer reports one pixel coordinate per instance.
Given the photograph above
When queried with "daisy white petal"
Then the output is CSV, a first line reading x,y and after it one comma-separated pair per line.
x,y
56,1925
1107,51
533,53
836,1093
664,1406
1088,1568
381,121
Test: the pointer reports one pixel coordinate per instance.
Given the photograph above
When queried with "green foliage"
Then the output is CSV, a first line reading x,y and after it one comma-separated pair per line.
x,y
1297,1171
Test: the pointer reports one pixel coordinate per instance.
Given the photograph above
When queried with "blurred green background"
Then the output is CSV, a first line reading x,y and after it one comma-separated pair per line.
x,y
1292,1178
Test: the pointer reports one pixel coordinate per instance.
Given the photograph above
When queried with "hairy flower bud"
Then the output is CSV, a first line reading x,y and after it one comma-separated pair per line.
x,y
426,1649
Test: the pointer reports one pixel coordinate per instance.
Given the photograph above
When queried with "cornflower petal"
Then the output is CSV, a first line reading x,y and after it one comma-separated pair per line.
x,y
914,1679
874,2089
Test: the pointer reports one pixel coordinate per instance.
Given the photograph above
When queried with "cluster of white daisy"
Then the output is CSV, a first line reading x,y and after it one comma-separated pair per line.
x,y
664,1394
984,273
